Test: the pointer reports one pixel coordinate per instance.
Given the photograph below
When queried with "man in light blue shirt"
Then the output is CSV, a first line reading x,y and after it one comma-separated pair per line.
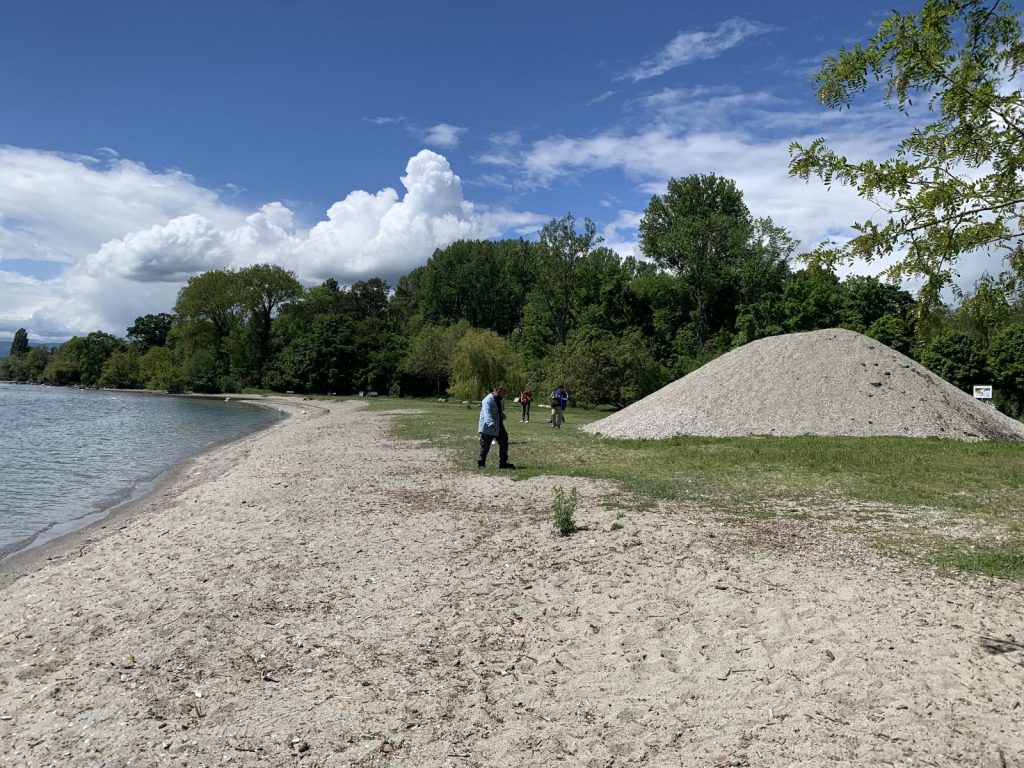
x,y
492,426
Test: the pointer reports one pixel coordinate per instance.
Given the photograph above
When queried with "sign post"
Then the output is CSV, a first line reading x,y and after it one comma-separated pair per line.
x,y
983,392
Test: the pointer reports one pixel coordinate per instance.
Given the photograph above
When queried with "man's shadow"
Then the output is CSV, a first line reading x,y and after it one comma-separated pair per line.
x,y
998,647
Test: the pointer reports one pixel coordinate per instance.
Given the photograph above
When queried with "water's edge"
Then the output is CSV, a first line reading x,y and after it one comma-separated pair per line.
x,y
28,555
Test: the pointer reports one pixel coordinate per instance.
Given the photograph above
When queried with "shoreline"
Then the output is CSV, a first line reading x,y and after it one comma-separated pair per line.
x,y
32,556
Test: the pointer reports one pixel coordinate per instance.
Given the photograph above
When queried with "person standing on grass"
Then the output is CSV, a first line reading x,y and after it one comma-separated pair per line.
x,y
559,402
525,399
492,427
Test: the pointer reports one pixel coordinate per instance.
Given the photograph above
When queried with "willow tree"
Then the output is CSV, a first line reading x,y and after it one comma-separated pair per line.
x,y
954,185
481,360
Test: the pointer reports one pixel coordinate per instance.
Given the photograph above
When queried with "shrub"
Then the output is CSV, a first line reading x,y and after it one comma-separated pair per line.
x,y
565,511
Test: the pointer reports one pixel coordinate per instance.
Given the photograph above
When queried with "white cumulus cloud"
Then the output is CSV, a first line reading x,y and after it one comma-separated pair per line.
x,y
384,234
158,229
55,207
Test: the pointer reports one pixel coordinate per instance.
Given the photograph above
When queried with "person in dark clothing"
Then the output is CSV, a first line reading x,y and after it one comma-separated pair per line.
x,y
492,426
559,402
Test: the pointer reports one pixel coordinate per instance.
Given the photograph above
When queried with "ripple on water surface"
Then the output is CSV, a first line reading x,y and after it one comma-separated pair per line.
x,y
66,455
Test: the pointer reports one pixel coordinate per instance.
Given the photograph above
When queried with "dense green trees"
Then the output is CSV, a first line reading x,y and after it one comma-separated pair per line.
x,y
956,357
601,368
1006,365
700,229
703,232
222,326
24,367
562,253
429,355
479,281
150,331
22,363
80,360
121,370
337,340
630,326
158,370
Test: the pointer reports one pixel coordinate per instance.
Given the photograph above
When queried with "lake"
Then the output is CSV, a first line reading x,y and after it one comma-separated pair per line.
x,y
68,455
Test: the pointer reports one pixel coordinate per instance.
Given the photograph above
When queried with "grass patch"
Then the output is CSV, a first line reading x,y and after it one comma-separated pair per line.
x,y
994,558
906,483
992,562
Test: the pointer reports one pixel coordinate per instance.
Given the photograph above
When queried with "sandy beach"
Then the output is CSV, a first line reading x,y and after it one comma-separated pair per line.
x,y
323,594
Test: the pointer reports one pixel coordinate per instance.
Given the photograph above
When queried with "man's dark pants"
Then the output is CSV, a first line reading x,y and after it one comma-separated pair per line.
x,y
485,446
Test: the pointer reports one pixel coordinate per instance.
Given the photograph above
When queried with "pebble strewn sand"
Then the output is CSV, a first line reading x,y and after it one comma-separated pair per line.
x,y
322,594
831,382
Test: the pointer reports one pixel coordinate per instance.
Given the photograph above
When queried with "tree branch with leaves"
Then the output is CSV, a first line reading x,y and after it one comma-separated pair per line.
x,y
954,186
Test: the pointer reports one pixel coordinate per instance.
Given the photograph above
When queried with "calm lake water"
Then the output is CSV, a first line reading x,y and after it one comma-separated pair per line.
x,y
67,455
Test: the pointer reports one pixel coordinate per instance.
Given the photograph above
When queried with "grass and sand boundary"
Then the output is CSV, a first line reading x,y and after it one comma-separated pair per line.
x,y
945,502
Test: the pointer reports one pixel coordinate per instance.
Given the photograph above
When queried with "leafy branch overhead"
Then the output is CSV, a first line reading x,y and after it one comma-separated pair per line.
x,y
954,185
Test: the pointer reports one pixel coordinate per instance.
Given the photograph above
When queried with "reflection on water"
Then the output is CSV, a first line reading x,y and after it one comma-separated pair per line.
x,y
66,454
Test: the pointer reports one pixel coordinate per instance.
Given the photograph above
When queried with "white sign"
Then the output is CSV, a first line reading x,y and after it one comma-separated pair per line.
x,y
983,391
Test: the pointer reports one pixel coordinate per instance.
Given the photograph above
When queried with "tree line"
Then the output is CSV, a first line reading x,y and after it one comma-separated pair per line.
x,y
560,309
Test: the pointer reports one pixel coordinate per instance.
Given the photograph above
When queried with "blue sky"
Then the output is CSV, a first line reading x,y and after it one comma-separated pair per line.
x,y
143,142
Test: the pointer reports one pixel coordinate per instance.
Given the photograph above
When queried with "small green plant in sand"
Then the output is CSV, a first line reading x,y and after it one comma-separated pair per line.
x,y
565,511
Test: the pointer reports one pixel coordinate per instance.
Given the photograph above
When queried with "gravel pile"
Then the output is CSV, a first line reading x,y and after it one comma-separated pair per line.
x,y
830,382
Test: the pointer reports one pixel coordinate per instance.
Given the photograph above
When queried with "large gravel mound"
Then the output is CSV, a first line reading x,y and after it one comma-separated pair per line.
x,y
831,382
